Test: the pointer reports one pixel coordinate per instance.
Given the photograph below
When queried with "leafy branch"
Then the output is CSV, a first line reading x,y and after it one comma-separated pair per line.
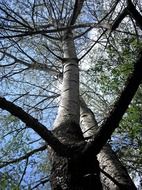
x,y
120,107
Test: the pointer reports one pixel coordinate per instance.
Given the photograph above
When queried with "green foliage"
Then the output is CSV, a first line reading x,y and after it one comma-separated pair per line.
x,y
107,76
7,183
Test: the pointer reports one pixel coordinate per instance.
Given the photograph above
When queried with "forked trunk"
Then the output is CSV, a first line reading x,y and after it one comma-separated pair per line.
x,y
79,171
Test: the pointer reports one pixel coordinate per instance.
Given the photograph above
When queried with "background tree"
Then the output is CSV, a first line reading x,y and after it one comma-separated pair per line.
x,y
40,40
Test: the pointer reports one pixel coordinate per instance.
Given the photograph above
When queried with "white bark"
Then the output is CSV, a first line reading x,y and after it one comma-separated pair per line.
x,y
109,163
88,122
69,108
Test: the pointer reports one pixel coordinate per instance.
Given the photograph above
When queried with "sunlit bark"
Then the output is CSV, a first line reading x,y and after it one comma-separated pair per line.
x,y
69,104
114,176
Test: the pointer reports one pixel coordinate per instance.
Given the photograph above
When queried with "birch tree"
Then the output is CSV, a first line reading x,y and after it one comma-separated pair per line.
x,y
41,42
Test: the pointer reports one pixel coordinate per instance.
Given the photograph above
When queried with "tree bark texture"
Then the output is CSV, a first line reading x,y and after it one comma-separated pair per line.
x,y
78,171
69,104
114,176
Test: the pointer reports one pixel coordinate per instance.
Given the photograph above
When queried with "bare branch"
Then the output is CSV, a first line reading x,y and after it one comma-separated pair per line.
x,y
134,13
34,65
92,45
76,11
119,19
33,123
26,156
42,182
25,23
24,172
45,31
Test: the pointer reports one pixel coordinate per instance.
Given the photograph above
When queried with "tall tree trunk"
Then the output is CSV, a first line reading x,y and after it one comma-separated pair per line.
x,y
69,108
79,171
113,174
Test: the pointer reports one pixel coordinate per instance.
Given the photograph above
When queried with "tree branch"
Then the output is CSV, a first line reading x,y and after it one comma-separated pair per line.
x,y
26,156
134,13
34,65
33,123
120,107
42,182
119,19
46,31
76,11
